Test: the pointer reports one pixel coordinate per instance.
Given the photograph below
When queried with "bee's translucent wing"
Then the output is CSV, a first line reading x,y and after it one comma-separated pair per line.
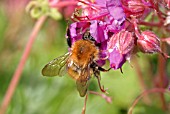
x,y
83,81
56,67
82,86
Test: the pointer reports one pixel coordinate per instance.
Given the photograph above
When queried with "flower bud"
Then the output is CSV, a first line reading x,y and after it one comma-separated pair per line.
x,y
167,20
168,3
135,8
148,42
120,47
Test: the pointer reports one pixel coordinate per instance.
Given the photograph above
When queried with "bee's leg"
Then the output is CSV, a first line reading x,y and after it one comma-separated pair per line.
x,y
103,70
97,75
101,87
96,67
96,71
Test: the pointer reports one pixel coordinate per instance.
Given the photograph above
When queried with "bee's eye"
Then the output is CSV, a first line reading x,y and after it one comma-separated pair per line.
x,y
91,38
69,41
87,36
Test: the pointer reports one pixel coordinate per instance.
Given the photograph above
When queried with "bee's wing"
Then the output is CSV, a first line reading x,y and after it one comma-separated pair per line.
x,y
83,81
56,67
82,86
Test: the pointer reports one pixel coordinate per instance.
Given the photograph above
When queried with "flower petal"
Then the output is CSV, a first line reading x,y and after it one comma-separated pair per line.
x,y
76,30
120,48
97,32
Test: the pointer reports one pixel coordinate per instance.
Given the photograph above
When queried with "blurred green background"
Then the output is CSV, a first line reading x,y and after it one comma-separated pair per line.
x,y
36,94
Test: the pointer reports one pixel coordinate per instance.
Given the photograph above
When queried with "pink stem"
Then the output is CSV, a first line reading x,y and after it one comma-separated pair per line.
x,y
162,73
158,24
16,76
63,4
160,90
141,81
165,39
85,102
108,99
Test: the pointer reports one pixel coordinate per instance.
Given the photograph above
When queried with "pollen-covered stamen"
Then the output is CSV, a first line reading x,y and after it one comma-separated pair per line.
x,y
79,18
100,16
89,11
89,4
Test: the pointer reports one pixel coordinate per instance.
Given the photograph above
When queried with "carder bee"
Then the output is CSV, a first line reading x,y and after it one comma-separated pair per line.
x,y
80,63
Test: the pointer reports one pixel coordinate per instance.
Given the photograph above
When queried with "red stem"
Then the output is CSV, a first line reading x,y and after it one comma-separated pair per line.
x,y
141,81
162,68
64,4
158,24
85,102
154,90
16,76
107,98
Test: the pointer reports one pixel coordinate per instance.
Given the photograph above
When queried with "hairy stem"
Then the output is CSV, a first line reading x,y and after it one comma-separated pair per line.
x,y
17,75
85,102
63,4
151,24
107,98
141,80
162,68
154,90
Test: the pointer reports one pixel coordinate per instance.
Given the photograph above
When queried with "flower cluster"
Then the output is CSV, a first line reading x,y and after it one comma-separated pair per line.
x,y
113,26
102,19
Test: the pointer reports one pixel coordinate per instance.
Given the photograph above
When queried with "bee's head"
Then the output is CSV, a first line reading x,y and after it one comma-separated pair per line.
x,y
87,36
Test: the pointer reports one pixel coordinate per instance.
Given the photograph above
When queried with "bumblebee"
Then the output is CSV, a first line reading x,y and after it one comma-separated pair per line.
x,y
80,63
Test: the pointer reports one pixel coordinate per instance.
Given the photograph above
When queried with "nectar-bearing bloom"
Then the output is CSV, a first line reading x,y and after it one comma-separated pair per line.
x,y
98,32
120,48
108,13
102,19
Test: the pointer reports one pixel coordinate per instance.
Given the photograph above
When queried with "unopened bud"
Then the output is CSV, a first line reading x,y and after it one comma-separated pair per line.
x,y
148,42
168,3
134,8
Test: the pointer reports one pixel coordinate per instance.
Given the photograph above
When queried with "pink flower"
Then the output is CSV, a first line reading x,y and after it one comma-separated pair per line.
x,y
66,7
102,19
76,31
120,47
